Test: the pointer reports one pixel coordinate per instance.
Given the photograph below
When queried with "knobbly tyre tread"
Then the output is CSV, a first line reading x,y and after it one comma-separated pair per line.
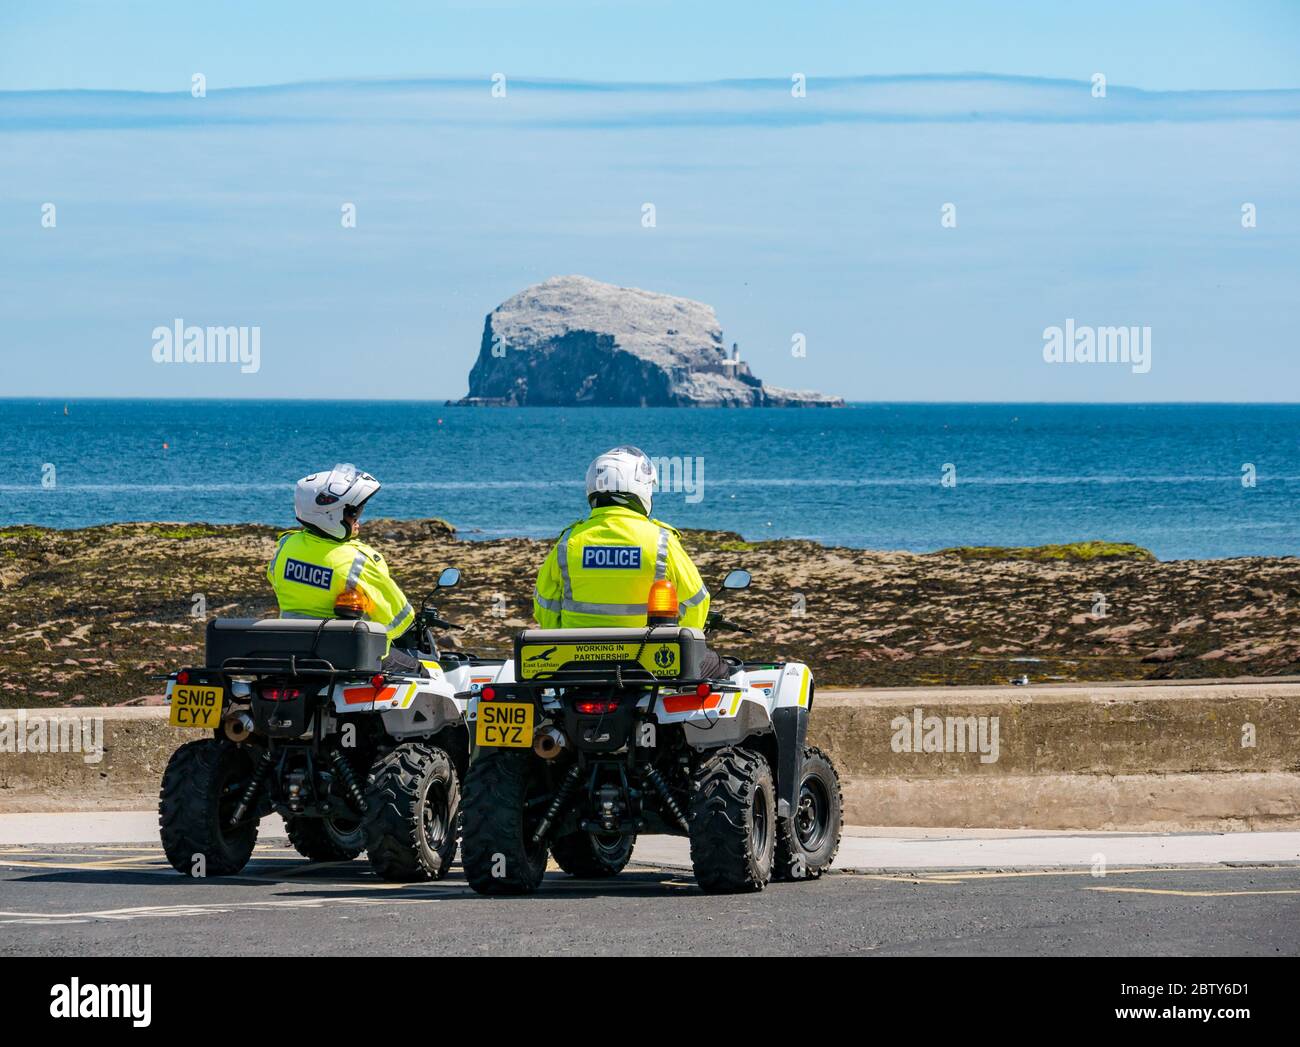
x,y
721,850
392,826
496,788
576,854
787,846
311,838
188,816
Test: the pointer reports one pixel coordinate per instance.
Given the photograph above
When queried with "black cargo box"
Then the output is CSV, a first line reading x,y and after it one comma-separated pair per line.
x,y
346,645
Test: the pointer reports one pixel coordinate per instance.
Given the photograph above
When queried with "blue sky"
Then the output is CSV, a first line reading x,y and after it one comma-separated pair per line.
x,y
156,45
818,216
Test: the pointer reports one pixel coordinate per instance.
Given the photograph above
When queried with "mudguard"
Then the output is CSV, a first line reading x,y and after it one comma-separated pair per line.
x,y
791,726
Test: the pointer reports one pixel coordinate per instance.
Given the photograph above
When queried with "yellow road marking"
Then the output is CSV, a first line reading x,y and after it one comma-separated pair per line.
x,y
214,908
15,863
905,879
985,874
1188,894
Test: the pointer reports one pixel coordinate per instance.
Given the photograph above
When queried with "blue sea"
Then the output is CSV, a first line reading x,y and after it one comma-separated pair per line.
x,y
1168,477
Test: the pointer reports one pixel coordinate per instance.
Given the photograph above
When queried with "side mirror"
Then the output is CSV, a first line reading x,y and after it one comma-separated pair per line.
x,y
449,578
737,579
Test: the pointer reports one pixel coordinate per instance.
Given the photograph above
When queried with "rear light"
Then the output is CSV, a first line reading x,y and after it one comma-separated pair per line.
x,y
183,677
280,694
377,681
597,707
488,694
702,690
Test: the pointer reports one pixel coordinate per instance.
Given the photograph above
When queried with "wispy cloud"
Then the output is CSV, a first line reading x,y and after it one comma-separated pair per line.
x,y
953,99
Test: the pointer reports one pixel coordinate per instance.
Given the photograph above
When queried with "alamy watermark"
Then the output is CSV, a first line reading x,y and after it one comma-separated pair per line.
x,y
208,345
21,733
677,475
946,734
1080,344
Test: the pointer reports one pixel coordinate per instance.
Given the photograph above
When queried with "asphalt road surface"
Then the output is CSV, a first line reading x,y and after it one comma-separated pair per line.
x,y
123,899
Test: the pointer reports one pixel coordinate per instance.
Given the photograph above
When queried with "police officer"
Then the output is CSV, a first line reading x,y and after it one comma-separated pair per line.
x,y
314,566
600,570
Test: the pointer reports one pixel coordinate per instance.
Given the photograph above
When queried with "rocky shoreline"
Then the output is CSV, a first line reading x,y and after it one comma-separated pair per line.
x,y
87,616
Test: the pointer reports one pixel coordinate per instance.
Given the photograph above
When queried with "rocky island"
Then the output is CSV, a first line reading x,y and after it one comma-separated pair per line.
x,y
573,341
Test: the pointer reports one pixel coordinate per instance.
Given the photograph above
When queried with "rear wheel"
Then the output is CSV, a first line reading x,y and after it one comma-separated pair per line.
x,y
807,841
505,796
733,822
593,856
201,789
326,839
412,802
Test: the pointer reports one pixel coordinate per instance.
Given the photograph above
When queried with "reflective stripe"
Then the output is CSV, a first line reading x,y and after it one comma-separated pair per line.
x,y
550,605
276,558
406,609
354,574
299,614
691,601
661,556
621,610
562,561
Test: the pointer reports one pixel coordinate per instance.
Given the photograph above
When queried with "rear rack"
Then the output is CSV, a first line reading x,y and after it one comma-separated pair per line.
x,y
286,665
628,678
289,664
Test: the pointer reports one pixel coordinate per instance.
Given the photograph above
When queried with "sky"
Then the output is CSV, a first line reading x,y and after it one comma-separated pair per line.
x,y
920,229
157,45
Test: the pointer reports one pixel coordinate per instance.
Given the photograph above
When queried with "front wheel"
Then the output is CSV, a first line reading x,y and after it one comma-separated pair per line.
x,y
732,822
593,856
807,841
201,790
412,801
326,839
504,797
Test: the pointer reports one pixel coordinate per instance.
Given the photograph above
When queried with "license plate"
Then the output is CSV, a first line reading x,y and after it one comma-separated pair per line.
x,y
194,706
504,725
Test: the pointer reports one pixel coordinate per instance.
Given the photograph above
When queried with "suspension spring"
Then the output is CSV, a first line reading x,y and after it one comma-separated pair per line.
x,y
562,795
349,777
254,786
661,786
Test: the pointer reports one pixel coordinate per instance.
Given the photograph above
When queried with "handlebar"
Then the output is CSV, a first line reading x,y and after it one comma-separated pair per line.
x,y
717,623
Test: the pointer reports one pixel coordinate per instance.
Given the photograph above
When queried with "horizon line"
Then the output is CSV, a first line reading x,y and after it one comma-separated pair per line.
x,y
578,84
443,402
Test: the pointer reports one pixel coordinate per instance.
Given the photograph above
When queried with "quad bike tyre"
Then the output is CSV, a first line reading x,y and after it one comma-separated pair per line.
x,y
412,803
326,839
732,822
806,842
497,849
201,789
593,856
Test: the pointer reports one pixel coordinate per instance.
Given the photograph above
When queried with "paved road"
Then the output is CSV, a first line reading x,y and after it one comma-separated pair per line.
x,y
115,898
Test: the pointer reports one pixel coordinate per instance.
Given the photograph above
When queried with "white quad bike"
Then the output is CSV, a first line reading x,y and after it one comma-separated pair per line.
x,y
305,723
590,737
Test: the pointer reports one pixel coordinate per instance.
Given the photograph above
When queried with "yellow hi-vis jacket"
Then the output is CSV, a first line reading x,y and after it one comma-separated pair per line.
x,y
308,573
600,570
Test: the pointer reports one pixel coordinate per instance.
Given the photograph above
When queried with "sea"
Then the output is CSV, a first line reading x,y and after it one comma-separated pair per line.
x,y
1183,480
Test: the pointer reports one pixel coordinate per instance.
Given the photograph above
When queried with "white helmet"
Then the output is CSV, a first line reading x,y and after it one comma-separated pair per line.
x,y
626,472
321,501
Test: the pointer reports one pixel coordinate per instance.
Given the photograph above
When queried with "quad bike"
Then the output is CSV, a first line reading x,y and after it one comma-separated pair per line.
x,y
305,723
593,736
